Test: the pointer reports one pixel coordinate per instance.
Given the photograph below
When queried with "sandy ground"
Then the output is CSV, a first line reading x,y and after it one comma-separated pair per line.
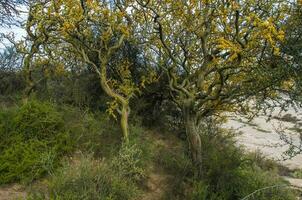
x,y
12,192
260,134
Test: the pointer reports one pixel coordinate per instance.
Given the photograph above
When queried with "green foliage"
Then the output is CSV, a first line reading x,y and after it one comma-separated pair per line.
x,y
297,174
221,161
229,174
80,88
11,82
38,120
93,132
85,178
129,162
174,162
199,191
133,159
266,164
33,138
269,184
114,177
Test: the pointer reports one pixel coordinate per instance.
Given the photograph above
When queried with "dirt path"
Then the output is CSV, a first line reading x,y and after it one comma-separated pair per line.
x,y
12,192
157,183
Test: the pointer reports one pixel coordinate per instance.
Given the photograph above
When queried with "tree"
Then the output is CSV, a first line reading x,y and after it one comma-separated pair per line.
x,y
10,65
10,60
292,59
292,53
96,31
37,35
214,53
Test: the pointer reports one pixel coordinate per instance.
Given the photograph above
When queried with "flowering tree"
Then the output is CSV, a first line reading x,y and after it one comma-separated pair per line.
x,y
215,53
95,31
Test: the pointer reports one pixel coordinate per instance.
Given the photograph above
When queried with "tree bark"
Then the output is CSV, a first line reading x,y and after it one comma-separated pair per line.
x,y
123,102
193,137
124,121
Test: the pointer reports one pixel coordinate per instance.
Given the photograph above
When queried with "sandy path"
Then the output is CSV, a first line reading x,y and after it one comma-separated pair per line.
x,y
260,134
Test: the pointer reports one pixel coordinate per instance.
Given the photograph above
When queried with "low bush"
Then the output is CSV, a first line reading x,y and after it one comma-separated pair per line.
x,y
93,132
33,138
174,162
129,162
230,174
85,178
297,173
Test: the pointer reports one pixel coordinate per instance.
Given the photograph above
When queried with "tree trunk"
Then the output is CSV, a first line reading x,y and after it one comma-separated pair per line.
x,y
124,121
193,138
123,102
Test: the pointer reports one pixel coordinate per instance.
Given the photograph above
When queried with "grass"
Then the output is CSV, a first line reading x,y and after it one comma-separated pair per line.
x,y
297,174
85,178
97,165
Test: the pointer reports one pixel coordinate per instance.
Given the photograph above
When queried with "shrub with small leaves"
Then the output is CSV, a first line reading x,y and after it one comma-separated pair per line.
x,y
33,138
129,162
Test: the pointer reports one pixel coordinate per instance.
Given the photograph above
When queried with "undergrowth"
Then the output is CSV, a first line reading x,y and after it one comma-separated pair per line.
x,y
84,157
87,179
228,172
33,138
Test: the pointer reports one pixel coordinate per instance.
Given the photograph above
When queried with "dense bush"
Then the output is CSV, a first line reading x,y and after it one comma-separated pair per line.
x,y
229,174
33,138
129,162
92,132
85,178
11,82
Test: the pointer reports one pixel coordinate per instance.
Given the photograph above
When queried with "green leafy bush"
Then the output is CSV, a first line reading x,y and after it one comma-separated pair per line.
x,y
33,138
129,162
174,162
85,178
230,174
297,173
257,184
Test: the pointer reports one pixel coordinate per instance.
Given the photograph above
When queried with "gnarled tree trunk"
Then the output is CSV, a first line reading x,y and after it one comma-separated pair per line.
x,y
123,102
193,136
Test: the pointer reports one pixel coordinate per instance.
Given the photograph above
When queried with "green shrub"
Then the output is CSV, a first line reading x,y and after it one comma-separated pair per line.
x,y
129,162
87,179
36,120
228,174
90,131
174,162
264,184
33,138
297,173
